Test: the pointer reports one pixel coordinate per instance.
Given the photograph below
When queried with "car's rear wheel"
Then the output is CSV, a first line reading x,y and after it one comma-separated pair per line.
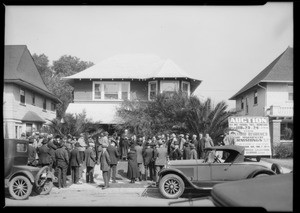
x,y
20,187
171,186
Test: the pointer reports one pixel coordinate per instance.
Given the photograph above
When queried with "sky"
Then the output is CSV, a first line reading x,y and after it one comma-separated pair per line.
x,y
223,46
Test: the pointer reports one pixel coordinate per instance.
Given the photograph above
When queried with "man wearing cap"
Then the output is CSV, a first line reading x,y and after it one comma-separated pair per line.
x,y
160,156
44,154
75,162
114,156
90,160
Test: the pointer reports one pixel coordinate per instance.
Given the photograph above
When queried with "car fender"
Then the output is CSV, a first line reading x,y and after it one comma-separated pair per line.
x,y
25,173
180,174
260,171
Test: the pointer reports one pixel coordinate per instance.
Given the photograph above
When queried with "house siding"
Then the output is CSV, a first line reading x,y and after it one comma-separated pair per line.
x,y
253,109
277,94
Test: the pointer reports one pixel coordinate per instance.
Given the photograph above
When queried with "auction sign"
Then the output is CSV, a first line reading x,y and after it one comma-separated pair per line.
x,y
251,132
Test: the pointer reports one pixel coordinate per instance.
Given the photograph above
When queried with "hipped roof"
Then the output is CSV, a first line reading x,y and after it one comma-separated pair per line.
x,y
19,68
280,70
33,117
135,66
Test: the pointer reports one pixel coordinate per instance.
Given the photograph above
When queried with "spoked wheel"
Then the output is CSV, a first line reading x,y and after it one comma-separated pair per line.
x,y
20,187
43,181
171,186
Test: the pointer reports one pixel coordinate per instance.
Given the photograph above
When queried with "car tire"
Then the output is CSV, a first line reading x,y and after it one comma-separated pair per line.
x,y
171,186
20,187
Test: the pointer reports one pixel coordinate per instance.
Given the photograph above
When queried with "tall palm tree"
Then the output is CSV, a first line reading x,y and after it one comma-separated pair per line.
x,y
202,117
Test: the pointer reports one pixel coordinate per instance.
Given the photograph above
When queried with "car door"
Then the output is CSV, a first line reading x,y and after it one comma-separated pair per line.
x,y
204,174
228,171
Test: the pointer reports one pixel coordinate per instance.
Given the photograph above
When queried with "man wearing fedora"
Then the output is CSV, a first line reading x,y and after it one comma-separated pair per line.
x,y
44,154
160,156
62,161
90,160
114,156
104,161
75,162
148,154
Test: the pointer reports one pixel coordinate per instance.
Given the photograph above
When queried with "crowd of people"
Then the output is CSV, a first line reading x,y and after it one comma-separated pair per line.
x,y
146,156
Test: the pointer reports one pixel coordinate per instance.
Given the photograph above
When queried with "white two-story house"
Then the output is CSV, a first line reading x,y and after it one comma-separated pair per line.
x,y
271,94
100,89
27,103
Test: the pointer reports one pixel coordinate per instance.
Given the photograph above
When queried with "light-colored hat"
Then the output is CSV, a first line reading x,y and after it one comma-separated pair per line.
x,y
92,144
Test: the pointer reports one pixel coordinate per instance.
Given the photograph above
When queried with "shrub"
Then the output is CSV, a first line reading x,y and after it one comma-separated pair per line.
x,y
283,150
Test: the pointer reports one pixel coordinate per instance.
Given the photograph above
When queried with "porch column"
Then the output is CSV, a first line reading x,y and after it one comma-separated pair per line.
x,y
275,133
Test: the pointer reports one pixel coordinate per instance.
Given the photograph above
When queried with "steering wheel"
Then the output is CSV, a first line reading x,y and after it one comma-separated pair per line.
x,y
216,159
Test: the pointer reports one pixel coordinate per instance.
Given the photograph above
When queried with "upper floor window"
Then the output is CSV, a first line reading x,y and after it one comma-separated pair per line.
x,y
22,96
255,97
33,98
169,87
291,92
152,90
185,88
53,106
44,103
111,90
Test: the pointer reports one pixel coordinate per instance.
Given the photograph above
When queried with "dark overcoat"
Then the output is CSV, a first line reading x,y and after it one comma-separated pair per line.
x,y
139,153
113,154
104,161
132,170
75,157
61,156
90,157
148,155
44,154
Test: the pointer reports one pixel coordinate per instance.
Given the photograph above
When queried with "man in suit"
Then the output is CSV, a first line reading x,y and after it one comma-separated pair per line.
x,y
160,156
201,145
75,162
139,152
148,155
31,153
181,142
90,161
104,161
62,161
114,156
44,154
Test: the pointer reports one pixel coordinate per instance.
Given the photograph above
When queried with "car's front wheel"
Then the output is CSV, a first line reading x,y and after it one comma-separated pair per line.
x,y
171,186
20,187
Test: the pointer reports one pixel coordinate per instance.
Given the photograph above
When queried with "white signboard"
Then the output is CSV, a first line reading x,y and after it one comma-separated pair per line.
x,y
253,133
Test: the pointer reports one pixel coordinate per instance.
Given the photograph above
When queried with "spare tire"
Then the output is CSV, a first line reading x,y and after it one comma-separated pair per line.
x,y
276,168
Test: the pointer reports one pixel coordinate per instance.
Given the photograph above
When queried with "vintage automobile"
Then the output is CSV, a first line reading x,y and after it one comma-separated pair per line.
x,y
21,179
203,174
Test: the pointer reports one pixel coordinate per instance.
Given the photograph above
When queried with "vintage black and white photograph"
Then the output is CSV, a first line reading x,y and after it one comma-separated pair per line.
x,y
149,105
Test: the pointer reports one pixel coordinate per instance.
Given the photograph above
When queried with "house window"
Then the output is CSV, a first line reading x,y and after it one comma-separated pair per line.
x,y
53,106
44,103
169,87
247,107
185,88
33,99
152,88
255,97
291,92
111,90
22,96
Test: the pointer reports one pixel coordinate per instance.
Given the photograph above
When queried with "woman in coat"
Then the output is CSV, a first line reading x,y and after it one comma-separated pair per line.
x,y
132,171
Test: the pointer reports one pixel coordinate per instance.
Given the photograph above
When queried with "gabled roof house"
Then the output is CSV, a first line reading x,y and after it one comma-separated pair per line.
x,y
27,102
101,88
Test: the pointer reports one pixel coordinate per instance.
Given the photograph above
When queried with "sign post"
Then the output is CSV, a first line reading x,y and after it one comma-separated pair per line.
x,y
253,133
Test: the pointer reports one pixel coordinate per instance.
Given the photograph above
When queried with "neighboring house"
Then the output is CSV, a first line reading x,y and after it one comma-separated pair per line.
x,y
27,103
271,94
101,88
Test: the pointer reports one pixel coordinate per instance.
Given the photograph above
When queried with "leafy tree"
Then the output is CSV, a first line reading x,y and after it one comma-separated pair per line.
x,y
52,76
178,113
